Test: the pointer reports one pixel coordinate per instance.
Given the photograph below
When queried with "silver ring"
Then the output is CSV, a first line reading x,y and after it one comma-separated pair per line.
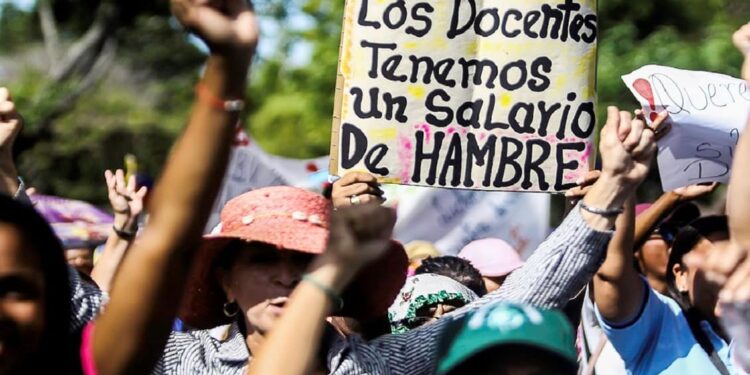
x,y
354,200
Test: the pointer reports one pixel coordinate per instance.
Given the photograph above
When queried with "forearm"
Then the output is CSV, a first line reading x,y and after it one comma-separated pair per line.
x,y
8,176
647,221
158,265
292,345
617,288
738,205
107,266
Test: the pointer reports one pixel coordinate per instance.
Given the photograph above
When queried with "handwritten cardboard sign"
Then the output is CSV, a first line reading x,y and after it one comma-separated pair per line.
x,y
708,112
487,95
451,219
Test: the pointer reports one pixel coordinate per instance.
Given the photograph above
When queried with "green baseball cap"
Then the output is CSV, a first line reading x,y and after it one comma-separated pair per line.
x,y
505,324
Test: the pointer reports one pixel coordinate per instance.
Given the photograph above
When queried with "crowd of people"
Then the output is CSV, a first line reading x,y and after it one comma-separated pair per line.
x,y
293,282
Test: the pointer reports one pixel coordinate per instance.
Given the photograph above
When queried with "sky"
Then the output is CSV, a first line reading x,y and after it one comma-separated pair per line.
x,y
299,54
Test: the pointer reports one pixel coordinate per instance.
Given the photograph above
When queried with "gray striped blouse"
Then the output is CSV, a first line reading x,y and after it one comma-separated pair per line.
x,y
555,273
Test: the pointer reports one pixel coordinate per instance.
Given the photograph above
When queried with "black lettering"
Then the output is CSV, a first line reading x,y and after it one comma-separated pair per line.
x,y
509,159
390,65
591,24
540,66
550,14
398,6
529,20
432,157
494,26
452,162
433,108
534,164
525,126
479,156
584,108
358,106
475,107
427,21
397,102
489,124
416,62
517,15
373,159
546,114
362,20
575,27
455,30
505,75
568,7
373,73
353,145
563,166
479,67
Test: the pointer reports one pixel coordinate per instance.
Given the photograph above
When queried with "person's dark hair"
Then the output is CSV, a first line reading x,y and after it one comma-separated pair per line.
x,y
57,345
456,268
687,238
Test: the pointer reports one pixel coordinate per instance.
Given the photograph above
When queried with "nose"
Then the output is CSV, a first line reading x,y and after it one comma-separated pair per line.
x,y
289,274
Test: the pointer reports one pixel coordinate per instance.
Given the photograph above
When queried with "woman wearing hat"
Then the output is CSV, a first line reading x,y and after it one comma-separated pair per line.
x,y
251,264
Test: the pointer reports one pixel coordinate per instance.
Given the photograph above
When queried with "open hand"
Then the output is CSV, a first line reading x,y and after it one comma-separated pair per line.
x,y
356,188
126,201
227,26
693,192
10,123
360,234
627,146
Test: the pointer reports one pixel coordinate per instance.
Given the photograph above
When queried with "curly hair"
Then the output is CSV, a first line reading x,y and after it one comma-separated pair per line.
x,y
456,268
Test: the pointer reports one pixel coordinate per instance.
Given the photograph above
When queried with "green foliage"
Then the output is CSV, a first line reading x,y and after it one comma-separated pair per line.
x,y
141,105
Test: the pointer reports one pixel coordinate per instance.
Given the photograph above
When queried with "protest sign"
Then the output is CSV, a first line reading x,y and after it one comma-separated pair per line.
x,y
707,113
467,94
452,218
252,168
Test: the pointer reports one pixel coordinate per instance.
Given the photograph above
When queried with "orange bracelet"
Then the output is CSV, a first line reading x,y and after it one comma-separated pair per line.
x,y
203,94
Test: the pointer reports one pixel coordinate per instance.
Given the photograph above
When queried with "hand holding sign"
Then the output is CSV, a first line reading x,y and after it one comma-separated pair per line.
x,y
356,188
707,113
627,146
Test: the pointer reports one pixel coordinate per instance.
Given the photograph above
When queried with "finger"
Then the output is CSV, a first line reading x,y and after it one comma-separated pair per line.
x,y
577,192
613,121
354,177
7,108
4,94
634,137
131,184
735,282
110,179
646,145
360,188
625,124
141,192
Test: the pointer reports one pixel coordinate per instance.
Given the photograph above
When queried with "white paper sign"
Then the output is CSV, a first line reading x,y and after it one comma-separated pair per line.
x,y
252,168
452,218
708,112
448,218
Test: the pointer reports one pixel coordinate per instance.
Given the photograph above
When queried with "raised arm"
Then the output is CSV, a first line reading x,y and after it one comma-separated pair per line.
x,y
127,205
558,269
10,126
130,334
358,235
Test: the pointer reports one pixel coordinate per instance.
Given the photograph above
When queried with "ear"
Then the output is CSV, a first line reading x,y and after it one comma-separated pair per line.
x,y
224,278
680,278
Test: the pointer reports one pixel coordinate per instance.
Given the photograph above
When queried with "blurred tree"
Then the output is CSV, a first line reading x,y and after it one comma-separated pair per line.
x,y
137,101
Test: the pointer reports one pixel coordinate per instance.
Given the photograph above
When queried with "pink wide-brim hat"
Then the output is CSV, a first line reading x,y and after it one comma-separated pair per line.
x,y
493,257
289,219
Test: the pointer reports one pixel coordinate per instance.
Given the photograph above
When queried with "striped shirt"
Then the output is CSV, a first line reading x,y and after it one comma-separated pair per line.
x,y
555,273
